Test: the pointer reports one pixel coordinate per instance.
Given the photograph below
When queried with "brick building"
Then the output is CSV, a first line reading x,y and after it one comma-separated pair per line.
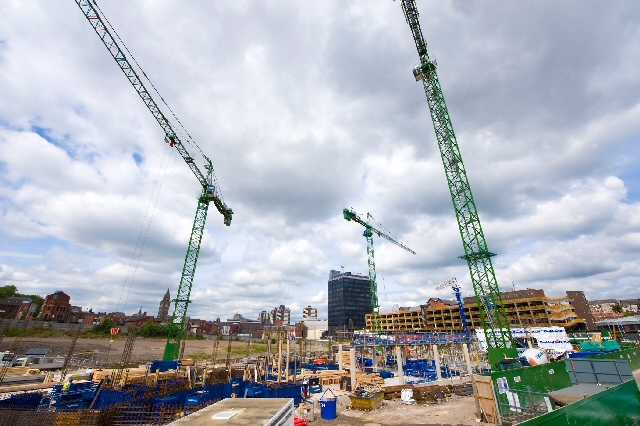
x,y
17,308
528,307
57,307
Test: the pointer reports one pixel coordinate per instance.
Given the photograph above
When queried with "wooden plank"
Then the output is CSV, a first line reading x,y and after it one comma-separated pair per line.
x,y
487,398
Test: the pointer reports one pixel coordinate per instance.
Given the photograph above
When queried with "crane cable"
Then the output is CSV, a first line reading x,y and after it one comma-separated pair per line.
x,y
189,138
151,205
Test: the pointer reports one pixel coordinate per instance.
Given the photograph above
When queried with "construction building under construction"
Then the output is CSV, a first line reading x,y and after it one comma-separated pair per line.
x,y
529,307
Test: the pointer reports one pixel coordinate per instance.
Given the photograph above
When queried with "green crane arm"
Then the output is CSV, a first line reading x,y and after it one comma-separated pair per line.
x,y
171,136
210,191
351,215
369,230
492,314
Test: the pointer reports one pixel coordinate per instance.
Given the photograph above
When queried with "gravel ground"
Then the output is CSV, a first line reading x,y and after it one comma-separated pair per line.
x,y
461,411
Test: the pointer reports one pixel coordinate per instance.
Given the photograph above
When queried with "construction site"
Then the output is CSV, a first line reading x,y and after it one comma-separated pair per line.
x,y
497,357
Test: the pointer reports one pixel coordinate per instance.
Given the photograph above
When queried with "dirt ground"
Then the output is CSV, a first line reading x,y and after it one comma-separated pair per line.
x,y
97,352
461,411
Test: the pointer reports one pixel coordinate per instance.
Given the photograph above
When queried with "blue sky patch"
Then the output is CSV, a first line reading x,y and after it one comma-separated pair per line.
x,y
137,158
46,135
629,171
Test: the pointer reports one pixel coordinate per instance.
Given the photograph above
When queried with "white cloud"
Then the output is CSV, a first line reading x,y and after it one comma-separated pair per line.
x,y
305,109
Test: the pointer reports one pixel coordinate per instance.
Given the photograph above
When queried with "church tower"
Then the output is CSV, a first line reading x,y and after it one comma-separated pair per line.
x,y
163,311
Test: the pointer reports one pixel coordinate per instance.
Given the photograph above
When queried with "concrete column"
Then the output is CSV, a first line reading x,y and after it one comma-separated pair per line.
x,y
399,362
279,359
288,362
436,357
352,368
467,359
340,356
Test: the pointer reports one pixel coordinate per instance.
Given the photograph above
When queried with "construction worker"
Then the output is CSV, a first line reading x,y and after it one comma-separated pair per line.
x,y
67,385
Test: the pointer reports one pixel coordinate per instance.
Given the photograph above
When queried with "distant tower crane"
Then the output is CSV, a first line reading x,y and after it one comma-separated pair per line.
x,y
492,313
453,283
369,230
210,189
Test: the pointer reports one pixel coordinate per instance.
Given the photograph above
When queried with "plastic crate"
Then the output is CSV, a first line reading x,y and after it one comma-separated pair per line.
x,y
367,404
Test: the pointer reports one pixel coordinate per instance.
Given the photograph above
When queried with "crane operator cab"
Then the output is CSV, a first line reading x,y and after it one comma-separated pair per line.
x,y
211,191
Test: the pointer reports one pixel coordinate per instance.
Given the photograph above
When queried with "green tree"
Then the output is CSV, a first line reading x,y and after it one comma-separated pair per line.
x,y
7,291
105,326
152,329
617,308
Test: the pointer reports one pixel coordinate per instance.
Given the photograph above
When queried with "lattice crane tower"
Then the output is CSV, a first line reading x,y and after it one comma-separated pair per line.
x,y
210,188
492,313
368,233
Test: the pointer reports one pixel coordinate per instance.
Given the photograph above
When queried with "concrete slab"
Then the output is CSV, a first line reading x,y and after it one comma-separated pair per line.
x,y
243,412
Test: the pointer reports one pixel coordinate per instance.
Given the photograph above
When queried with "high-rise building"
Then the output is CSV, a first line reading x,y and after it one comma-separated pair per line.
x,y
265,317
309,313
280,315
349,300
163,311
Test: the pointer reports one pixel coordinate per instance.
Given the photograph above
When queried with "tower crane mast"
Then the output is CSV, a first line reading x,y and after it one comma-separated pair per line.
x,y
210,190
369,231
492,313
455,286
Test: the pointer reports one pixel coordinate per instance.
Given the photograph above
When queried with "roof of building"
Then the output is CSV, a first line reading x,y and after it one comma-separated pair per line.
x,y
14,300
38,351
634,319
601,301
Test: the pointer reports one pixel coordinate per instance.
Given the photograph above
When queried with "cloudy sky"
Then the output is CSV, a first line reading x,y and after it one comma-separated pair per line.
x,y
306,108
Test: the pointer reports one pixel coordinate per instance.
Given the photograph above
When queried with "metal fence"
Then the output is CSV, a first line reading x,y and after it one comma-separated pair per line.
x,y
114,416
522,404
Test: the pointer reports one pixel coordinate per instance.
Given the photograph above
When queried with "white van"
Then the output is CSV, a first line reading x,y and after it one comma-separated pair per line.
x,y
6,357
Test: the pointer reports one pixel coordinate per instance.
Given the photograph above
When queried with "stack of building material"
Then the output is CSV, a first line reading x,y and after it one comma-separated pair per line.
x,y
21,371
394,392
370,378
431,394
346,359
134,375
329,377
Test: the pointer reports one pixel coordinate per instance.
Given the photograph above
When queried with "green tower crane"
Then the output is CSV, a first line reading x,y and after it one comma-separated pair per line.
x,y
369,230
210,189
492,313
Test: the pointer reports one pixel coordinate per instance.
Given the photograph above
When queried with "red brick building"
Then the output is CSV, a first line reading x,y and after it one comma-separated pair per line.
x,y
138,320
56,307
17,308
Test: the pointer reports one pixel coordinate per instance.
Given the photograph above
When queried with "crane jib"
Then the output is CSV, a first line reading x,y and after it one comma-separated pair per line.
x,y
209,192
